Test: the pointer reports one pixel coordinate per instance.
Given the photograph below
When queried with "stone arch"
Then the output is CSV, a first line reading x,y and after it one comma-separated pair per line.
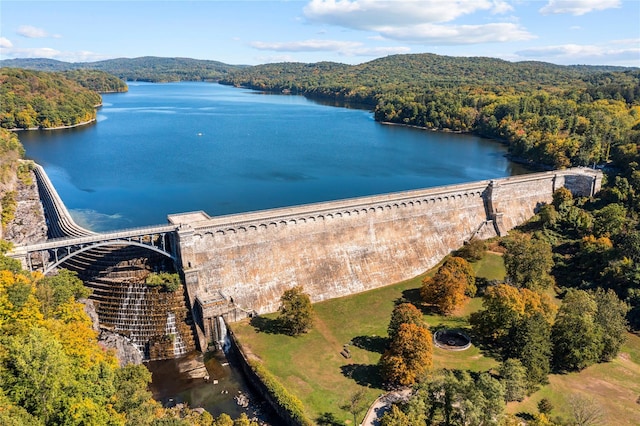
x,y
88,247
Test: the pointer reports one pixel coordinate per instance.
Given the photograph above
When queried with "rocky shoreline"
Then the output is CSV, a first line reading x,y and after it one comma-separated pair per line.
x,y
84,123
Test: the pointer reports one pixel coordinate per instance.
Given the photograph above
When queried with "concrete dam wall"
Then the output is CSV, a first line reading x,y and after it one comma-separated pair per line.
x,y
343,247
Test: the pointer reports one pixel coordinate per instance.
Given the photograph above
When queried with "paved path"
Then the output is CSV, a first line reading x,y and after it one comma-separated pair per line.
x,y
382,405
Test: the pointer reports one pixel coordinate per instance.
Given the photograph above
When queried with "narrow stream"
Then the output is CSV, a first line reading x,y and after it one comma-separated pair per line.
x,y
225,391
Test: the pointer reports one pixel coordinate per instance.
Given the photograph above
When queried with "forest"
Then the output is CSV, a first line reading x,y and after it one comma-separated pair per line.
x,y
149,68
98,81
34,99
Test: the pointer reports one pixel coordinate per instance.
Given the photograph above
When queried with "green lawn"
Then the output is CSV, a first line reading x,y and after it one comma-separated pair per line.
x,y
614,387
311,365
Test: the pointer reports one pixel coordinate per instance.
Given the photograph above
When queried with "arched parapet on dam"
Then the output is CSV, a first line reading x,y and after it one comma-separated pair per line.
x,y
343,247
327,212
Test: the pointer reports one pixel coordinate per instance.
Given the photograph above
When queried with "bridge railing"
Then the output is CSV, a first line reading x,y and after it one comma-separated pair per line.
x,y
117,235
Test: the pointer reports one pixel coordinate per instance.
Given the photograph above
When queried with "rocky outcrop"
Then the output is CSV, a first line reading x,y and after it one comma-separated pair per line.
x,y
28,225
125,350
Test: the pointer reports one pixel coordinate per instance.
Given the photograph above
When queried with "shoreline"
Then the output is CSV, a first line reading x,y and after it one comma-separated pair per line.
x,y
430,129
84,123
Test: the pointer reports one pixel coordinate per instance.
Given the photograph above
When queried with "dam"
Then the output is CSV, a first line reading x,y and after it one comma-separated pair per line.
x,y
239,265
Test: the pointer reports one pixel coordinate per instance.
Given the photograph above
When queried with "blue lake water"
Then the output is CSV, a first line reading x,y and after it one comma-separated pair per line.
x,y
177,147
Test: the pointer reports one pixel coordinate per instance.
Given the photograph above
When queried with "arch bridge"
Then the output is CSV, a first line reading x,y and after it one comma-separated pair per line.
x,y
47,256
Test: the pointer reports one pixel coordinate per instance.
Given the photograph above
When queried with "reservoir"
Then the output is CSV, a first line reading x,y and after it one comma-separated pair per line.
x,y
176,147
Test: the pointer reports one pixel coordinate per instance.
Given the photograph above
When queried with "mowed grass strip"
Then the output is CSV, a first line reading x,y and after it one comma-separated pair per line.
x,y
311,367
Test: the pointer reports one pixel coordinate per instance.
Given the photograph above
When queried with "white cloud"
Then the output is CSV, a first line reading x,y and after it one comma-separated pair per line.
x,y
344,48
418,21
5,43
367,14
306,46
29,31
50,53
577,7
457,34
620,51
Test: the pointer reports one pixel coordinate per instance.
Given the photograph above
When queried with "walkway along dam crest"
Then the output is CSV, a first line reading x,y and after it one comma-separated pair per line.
x,y
240,264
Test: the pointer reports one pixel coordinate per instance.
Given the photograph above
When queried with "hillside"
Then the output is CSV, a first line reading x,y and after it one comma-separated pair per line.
x,y
98,81
550,115
148,68
34,99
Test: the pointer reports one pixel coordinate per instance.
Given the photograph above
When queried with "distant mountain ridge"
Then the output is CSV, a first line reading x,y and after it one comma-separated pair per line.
x,y
163,69
146,68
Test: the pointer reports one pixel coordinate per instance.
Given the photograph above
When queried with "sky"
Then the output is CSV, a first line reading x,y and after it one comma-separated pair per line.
x,y
565,32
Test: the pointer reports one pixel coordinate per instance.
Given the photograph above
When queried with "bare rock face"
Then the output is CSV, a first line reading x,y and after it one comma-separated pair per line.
x,y
28,225
126,351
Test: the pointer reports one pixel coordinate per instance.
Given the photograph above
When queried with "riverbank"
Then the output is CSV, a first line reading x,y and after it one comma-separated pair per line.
x,y
84,123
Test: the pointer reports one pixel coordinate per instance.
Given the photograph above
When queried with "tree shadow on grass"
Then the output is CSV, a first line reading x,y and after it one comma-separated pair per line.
x,y
328,419
363,374
411,295
525,416
267,325
370,343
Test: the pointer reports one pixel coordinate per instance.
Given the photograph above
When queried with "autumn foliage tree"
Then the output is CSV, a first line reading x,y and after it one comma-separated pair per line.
x,y
448,288
505,309
404,313
409,357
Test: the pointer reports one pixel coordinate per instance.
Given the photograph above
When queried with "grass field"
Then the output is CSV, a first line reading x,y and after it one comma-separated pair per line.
x,y
613,386
311,366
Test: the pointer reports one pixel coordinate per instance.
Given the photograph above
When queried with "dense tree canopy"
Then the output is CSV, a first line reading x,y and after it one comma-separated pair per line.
x,y
98,81
528,261
147,68
32,99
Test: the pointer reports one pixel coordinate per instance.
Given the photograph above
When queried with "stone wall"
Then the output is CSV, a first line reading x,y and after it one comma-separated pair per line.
x,y
339,248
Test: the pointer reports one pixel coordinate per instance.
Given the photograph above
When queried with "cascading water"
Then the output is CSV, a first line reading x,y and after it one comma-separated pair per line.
x,y
130,314
223,337
171,330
